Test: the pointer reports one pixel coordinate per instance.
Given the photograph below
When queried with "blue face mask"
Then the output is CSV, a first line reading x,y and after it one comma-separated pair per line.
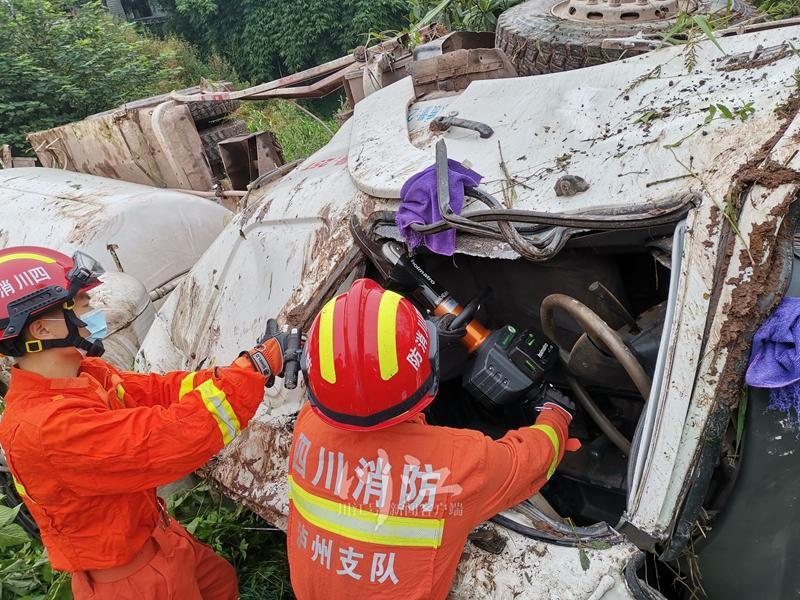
x,y
96,324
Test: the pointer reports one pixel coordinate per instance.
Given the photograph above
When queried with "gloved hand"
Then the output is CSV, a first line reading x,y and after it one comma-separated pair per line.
x,y
267,359
443,325
277,354
552,399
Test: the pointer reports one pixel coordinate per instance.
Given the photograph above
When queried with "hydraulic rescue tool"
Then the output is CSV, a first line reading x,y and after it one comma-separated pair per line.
x,y
508,364
292,343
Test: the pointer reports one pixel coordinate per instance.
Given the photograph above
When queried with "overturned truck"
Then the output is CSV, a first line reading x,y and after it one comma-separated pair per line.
x,y
640,214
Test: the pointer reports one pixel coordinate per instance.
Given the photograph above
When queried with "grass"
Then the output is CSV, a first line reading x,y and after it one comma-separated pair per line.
x,y
25,574
299,132
780,9
256,549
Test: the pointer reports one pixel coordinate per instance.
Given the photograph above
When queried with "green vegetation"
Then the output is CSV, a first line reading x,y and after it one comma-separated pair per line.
x,y
780,9
25,573
256,549
299,133
60,64
472,15
24,569
253,546
264,40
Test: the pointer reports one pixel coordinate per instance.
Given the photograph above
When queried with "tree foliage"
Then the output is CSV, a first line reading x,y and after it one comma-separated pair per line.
x,y
779,9
59,64
264,40
468,15
24,569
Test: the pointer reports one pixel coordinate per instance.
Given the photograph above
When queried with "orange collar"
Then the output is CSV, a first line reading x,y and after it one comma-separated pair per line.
x,y
93,374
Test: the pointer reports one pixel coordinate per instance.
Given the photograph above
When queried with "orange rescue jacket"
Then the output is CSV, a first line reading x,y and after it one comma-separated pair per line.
x,y
386,514
87,452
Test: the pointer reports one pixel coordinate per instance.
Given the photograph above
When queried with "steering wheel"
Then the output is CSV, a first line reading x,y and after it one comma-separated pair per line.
x,y
595,327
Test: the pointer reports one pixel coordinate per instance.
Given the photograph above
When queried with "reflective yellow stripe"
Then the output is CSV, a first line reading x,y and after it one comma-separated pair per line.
x,y
187,385
217,404
28,255
121,394
365,526
553,436
327,367
387,334
19,487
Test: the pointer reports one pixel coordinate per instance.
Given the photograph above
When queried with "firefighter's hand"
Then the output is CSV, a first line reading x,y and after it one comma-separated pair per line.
x,y
286,347
267,359
444,327
552,399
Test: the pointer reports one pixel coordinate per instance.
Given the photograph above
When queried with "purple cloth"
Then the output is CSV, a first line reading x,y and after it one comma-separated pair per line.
x,y
420,205
787,401
775,360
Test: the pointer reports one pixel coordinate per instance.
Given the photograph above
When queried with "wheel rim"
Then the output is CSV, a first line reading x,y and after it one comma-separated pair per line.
x,y
620,11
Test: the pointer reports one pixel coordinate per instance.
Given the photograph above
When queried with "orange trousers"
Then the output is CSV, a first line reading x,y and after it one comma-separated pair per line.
x,y
182,568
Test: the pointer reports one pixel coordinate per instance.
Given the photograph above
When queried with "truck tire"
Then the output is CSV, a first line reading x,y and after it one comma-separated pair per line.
x,y
212,136
205,112
539,42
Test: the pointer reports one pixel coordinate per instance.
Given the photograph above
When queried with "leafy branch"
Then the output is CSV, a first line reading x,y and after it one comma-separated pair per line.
x,y
716,112
582,546
727,210
689,29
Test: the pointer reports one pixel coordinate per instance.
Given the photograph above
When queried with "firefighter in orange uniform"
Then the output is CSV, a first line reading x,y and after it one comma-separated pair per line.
x,y
87,444
381,503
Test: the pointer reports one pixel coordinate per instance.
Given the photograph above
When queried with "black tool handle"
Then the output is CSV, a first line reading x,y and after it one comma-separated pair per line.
x,y
272,330
291,358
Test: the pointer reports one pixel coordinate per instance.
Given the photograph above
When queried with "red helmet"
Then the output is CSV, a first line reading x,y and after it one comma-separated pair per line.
x,y
371,359
35,280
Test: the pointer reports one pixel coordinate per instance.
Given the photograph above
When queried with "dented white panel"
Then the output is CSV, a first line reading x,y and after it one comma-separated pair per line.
x,y
585,123
529,569
672,457
694,293
274,254
154,234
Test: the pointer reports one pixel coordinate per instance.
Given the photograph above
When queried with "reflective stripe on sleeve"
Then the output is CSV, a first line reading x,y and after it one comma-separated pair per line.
x,y
217,404
121,394
553,437
356,523
187,385
19,487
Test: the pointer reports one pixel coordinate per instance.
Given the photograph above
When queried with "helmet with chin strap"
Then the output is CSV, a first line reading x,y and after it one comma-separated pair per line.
x,y
35,280
371,359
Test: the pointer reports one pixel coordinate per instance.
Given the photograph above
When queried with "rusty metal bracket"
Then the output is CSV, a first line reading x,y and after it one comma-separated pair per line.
x,y
445,122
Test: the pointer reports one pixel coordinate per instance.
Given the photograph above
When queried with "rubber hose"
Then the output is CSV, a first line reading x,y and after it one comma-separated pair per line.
x,y
595,326
606,426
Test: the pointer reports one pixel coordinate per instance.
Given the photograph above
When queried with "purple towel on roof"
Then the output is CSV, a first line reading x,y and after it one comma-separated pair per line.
x,y
419,204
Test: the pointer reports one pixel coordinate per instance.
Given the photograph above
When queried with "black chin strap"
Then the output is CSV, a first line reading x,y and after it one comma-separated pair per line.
x,y
72,340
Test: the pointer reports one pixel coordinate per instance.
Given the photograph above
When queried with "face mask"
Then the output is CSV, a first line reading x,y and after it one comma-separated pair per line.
x,y
96,324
